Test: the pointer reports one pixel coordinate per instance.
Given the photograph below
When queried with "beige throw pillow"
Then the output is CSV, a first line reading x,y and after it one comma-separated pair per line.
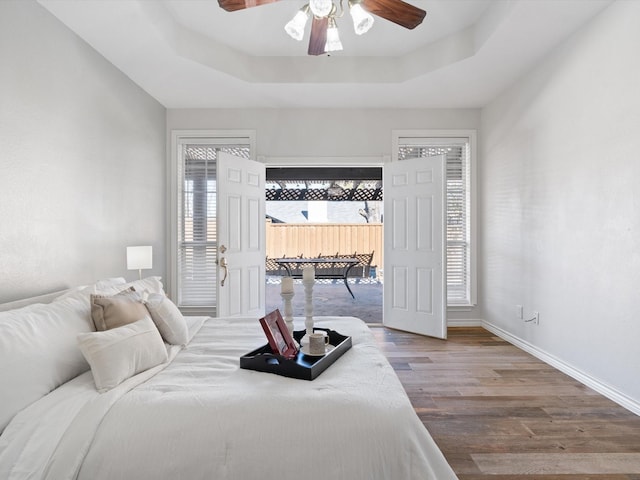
x,y
122,352
115,311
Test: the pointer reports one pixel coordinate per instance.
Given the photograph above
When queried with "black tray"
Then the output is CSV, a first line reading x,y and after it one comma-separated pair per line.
x,y
303,367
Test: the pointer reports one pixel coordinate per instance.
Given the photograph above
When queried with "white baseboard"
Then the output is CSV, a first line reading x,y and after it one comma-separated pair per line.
x,y
591,382
465,322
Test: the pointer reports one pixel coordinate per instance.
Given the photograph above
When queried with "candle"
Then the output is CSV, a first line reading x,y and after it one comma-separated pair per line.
x,y
308,273
286,285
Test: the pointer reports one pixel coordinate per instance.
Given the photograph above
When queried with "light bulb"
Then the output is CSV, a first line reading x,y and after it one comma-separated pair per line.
x,y
362,20
295,27
333,38
321,8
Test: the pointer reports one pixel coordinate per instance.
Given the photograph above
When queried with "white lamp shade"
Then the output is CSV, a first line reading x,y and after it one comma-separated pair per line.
x,y
139,258
333,39
295,28
362,20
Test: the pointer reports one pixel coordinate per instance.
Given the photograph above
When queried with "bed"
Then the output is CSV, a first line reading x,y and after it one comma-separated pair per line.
x,y
197,415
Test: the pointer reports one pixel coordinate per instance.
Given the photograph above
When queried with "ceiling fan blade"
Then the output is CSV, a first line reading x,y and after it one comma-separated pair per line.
x,y
318,38
233,5
395,11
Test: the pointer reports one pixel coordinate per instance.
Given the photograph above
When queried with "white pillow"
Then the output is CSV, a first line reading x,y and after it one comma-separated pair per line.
x,y
109,282
150,284
168,319
106,285
38,351
45,298
120,353
112,286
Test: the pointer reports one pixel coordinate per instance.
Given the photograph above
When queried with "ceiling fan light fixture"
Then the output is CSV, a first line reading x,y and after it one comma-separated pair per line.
x,y
362,20
295,27
324,35
321,8
333,37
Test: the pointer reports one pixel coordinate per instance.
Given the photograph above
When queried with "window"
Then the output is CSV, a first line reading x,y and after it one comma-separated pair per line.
x,y
458,151
193,226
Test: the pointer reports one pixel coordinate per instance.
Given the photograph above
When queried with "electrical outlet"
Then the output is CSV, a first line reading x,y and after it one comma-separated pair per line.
x,y
536,318
519,311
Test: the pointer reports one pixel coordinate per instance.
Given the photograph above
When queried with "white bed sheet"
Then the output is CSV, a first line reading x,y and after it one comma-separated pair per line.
x,y
202,417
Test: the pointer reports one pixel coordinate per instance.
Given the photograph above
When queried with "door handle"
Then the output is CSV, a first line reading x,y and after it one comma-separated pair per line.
x,y
225,265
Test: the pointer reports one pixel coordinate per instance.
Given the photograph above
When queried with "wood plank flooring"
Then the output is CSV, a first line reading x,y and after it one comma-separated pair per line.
x,y
498,413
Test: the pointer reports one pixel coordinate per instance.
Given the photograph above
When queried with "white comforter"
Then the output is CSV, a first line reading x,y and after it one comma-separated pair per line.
x,y
202,417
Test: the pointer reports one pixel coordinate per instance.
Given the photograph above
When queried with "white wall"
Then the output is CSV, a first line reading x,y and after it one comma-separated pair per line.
x,y
82,159
322,132
560,204
314,134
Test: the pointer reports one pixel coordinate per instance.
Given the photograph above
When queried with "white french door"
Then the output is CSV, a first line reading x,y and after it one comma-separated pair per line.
x,y
241,237
194,224
415,296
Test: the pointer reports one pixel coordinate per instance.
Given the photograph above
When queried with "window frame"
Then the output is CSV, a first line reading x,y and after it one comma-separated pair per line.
x,y
174,178
439,136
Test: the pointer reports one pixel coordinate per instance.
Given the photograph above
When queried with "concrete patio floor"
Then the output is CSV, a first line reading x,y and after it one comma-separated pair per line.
x,y
331,297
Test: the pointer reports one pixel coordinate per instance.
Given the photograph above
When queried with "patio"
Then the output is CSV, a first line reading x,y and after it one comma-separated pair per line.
x,y
330,297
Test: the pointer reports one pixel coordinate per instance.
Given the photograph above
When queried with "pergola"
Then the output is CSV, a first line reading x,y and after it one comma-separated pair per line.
x,y
329,184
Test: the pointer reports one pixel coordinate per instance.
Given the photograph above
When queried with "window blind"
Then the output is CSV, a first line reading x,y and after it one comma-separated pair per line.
x,y
197,221
458,196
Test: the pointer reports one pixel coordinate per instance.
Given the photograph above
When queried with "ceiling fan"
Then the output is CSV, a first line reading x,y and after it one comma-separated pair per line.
x,y
324,33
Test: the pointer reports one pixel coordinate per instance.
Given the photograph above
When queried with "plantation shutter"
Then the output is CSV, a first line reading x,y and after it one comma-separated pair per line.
x,y
457,151
197,217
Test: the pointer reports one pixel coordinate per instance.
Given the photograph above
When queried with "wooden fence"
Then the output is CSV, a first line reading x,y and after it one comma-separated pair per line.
x,y
314,239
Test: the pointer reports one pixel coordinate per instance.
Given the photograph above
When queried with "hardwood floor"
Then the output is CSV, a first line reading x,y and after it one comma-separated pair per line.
x,y
498,413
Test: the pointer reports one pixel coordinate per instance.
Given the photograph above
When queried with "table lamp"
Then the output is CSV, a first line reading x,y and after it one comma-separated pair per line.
x,y
139,258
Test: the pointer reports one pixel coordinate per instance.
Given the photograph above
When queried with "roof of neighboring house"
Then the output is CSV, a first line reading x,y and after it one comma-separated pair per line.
x,y
298,212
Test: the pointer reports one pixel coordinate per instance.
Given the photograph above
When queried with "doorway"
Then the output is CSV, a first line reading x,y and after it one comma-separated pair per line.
x,y
333,213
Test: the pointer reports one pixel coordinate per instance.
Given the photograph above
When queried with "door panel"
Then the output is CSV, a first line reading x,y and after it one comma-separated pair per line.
x,y
233,284
425,287
255,224
400,224
400,287
424,212
241,231
415,299
233,221
253,295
